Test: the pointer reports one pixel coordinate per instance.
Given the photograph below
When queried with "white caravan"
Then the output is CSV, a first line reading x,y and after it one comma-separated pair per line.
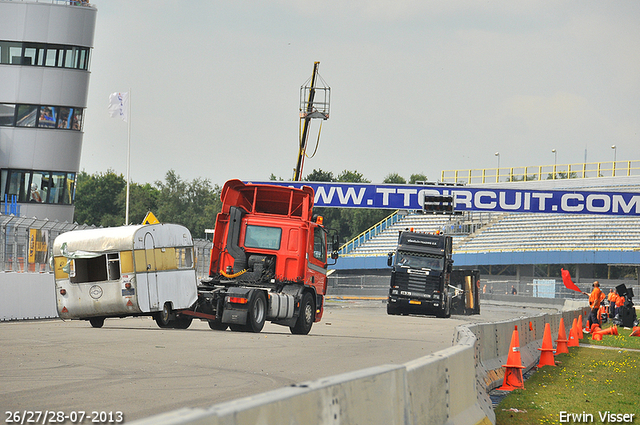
x,y
125,271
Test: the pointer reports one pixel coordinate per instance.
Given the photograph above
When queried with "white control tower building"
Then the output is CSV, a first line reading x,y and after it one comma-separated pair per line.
x,y
45,55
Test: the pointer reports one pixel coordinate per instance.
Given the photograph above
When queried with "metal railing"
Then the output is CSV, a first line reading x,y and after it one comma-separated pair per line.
x,y
543,172
369,233
69,2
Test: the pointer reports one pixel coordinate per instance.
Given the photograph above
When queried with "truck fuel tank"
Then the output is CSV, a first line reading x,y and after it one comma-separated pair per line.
x,y
281,306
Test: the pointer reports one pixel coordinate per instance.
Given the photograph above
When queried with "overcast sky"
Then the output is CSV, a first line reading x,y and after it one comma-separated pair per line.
x,y
416,86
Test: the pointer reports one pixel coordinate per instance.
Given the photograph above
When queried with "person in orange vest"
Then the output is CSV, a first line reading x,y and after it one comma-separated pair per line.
x,y
595,298
619,303
612,297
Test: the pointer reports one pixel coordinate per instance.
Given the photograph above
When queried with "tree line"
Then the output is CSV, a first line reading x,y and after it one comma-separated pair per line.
x,y
100,200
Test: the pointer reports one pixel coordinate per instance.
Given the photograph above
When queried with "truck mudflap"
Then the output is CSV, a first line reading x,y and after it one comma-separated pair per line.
x,y
236,305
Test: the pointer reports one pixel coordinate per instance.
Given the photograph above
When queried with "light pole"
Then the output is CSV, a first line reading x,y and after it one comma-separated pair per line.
x,y
498,169
555,161
498,155
613,168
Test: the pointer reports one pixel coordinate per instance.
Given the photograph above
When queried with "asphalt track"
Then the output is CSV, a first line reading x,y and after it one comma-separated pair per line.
x,y
132,366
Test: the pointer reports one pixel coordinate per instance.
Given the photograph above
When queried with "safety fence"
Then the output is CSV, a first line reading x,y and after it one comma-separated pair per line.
x,y
26,244
447,387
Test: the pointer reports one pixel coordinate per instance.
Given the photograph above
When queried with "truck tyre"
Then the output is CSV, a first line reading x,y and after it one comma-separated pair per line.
x,y
257,311
164,318
307,314
445,312
96,322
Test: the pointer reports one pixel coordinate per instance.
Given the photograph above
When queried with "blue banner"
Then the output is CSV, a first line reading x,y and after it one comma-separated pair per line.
x,y
411,197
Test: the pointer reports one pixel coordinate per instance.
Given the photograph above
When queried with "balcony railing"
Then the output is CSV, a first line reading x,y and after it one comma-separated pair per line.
x,y
543,172
67,2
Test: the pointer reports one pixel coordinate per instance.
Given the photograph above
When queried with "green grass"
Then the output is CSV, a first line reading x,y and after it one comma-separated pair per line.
x,y
623,340
587,380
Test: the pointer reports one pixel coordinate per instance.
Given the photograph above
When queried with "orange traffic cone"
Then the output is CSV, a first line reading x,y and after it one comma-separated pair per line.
x,y
594,326
636,331
561,342
513,373
573,335
613,330
597,337
580,333
546,357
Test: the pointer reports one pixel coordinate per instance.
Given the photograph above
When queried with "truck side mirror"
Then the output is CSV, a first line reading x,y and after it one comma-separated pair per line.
x,y
335,245
390,259
334,255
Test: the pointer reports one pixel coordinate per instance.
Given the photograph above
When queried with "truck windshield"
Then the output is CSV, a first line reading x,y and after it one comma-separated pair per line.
x,y
417,261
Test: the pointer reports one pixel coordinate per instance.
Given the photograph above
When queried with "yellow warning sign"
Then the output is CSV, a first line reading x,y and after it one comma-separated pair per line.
x,y
150,219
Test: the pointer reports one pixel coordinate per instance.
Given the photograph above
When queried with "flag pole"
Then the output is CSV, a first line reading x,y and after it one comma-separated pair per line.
x,y
126,218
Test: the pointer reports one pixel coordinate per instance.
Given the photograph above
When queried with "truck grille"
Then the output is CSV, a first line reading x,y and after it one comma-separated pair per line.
x,y
414,282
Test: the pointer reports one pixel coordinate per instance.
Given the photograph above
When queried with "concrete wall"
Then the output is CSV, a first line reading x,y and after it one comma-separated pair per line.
x,y
447,387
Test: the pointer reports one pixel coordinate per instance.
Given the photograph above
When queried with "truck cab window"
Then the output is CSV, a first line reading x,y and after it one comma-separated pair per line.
x,y
319,244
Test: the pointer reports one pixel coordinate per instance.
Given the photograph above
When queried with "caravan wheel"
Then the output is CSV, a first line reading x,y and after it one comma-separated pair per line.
x,y
97,322
164,318
182,322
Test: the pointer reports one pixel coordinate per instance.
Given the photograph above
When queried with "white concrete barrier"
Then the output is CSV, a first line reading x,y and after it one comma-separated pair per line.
x,y
370,396
27,296
449,387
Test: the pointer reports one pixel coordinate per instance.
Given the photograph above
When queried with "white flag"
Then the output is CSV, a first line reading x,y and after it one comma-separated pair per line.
x,y
119,105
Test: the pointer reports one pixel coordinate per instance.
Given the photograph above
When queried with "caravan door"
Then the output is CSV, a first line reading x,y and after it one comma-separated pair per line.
x,y
151,266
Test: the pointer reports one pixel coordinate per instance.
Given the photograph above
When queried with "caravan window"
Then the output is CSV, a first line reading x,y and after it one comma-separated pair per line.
x,y
96,269
113,261
184,258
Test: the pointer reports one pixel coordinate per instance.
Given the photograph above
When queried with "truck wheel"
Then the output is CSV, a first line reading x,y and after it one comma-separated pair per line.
x,y
164,318
257,311
447,312
307,314
217,326
97,322
182,322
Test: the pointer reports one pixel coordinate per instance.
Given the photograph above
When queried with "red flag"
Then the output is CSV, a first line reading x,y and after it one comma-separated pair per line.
x,y
566,279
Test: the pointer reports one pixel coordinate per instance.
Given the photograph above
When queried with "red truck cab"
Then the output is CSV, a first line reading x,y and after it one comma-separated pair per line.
x,y
266,237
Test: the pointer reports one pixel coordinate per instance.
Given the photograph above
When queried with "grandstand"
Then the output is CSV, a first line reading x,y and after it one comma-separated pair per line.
x,y
484,239
516,232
